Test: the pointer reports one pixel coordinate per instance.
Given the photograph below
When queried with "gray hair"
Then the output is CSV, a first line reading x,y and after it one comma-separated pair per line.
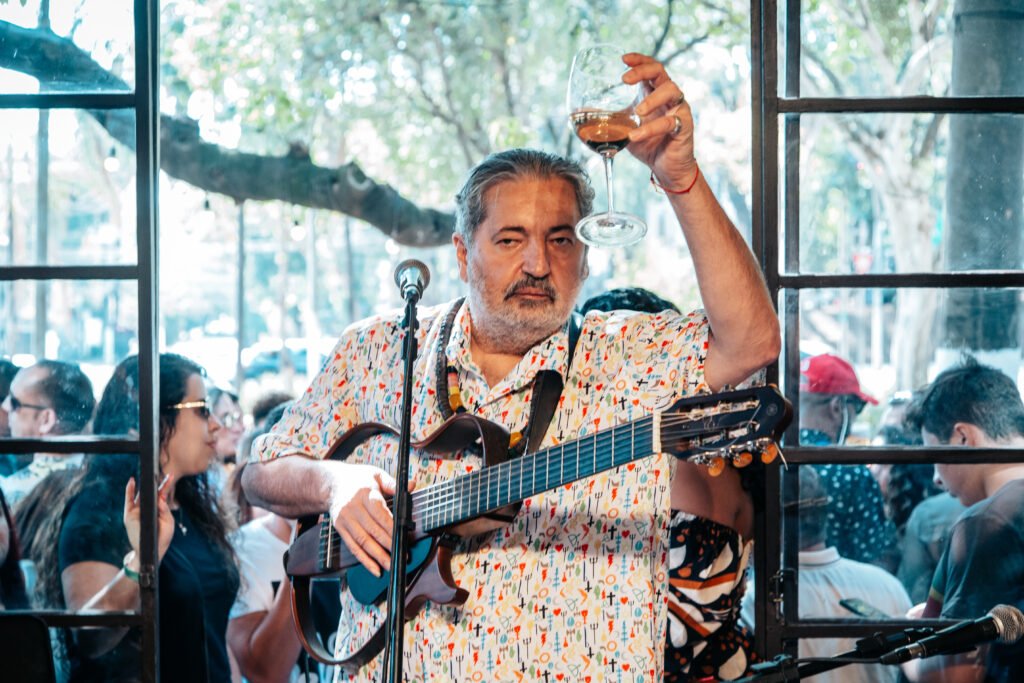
x,y
511,165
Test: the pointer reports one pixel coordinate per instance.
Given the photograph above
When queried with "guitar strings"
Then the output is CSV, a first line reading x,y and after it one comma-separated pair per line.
x,y
432,504
489,481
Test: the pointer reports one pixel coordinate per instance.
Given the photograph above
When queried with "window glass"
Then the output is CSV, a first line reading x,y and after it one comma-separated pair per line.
x,y
88,46
884,343
91,324
78,206
886,49
902,193
459,82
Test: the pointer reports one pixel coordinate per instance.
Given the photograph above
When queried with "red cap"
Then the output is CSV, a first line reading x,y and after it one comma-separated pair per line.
x,y
828,374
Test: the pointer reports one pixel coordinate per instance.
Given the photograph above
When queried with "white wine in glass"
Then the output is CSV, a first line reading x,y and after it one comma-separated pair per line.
x,y
601,113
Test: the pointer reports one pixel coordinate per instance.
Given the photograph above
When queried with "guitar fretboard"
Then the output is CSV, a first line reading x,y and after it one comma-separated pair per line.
x,y
491,488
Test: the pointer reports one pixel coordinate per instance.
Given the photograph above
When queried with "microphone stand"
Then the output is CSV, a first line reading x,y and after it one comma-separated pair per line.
x,y
784,668
402,508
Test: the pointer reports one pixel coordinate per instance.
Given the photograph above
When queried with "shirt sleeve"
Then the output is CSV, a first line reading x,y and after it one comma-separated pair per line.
x,y
93,531
321,415
980,567
661,355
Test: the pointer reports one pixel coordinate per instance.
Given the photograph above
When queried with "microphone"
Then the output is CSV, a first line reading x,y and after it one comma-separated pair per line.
x,y
412,276
1003,623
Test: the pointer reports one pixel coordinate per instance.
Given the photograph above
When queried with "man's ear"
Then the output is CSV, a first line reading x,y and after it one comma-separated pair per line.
x,y
967,434
837,406
47,421
461,255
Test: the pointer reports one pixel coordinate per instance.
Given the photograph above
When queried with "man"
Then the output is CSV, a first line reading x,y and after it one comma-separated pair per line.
x,y
826,577
982,565
50,398
575,584
830,400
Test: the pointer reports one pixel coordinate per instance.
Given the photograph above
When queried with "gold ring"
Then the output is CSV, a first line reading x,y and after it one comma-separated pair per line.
x,y
678,127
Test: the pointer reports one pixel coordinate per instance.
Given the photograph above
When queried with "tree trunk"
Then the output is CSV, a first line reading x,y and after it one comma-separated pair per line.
x,y
292,178
985,180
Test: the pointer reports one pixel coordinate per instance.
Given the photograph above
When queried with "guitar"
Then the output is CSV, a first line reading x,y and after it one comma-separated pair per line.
x,y
712,430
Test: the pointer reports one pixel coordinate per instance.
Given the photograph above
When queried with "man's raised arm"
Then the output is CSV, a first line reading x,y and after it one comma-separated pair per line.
x,y
744,326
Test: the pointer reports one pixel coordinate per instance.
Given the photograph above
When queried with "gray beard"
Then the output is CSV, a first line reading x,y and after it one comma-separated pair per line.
x,y
501,335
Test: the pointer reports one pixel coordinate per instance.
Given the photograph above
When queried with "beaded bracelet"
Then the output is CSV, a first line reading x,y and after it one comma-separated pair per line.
x,y
128,571
661,187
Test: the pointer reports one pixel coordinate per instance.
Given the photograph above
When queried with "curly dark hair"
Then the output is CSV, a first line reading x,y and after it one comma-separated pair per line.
x,y
106,475
628,299
12,582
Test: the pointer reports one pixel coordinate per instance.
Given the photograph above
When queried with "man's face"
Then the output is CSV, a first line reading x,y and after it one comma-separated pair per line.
x,y
29,413
525,265
963,481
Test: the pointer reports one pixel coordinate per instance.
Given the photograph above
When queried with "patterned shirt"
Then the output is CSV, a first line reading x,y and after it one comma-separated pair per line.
x,y
575,587
18,485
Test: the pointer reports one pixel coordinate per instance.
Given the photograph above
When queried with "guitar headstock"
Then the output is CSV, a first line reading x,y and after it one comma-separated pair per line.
x,y
731,427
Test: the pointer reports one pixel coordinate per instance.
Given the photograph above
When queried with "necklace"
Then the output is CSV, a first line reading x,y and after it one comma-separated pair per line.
x,y
446,375
179,520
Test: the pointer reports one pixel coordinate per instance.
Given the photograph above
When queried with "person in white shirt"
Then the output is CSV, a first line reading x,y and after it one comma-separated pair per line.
x,y
825,578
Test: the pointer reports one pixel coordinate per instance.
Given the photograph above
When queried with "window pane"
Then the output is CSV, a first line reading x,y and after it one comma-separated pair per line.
x,y
896,341
93,324
887,49
900,193
79,208
91,51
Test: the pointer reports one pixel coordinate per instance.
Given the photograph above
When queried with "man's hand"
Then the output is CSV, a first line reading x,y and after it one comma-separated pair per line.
x,y
361,515
667,148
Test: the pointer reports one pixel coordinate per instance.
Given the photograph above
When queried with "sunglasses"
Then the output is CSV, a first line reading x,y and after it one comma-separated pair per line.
x,y
201,407
231,419
17,405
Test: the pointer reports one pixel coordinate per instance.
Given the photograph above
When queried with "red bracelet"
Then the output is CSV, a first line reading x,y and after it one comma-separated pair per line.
x,y
661,187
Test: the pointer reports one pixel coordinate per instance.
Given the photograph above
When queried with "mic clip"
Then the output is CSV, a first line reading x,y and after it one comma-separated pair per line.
x,y
782,669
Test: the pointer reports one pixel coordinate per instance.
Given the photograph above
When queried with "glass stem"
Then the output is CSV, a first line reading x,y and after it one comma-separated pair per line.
x,y
608,180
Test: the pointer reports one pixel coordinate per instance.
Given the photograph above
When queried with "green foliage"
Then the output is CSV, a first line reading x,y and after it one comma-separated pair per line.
x,y
416,92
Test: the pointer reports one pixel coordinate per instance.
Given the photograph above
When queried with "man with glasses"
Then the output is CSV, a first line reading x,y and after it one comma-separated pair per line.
x,y
50,398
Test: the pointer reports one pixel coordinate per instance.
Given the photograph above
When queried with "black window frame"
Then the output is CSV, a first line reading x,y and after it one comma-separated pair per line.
x,y
143,100
778,105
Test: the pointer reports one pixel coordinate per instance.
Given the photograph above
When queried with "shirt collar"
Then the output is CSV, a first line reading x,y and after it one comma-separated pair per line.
x,y
819,557
548,354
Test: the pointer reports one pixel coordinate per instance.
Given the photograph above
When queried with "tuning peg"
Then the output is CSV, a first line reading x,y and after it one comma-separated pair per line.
x,y
742,459
716,466
769,453
514,438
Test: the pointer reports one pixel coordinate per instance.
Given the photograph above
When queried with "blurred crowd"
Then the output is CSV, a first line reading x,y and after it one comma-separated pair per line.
x,y
874,539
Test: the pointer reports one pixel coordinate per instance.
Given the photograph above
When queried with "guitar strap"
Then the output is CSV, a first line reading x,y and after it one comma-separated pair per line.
x,y
547,389
547,385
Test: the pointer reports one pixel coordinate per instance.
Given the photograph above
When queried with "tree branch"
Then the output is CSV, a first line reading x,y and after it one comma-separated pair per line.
x,y
61,65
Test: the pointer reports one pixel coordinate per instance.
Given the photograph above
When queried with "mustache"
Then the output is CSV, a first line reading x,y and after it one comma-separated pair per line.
x,y
530,282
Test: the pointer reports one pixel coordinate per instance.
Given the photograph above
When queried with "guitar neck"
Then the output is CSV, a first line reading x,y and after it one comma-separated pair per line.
x,y
491,488
707,429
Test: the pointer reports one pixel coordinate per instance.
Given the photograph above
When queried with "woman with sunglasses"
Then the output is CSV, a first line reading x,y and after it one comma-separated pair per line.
x,y
96,563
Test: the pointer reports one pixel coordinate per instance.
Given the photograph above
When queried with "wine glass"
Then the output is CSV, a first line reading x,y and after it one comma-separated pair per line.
x,y
601,113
